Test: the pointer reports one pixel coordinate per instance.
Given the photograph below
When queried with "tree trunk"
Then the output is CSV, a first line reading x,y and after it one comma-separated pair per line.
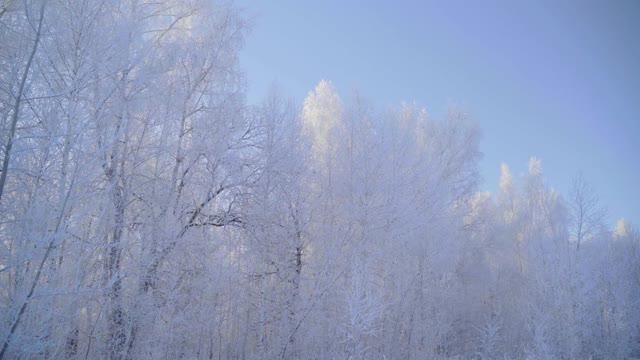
x,y
16,108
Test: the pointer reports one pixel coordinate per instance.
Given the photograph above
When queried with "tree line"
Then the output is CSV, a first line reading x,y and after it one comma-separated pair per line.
x,y
148,211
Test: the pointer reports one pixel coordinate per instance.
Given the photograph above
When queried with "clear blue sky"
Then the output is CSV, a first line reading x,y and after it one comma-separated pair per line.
x,y
559,80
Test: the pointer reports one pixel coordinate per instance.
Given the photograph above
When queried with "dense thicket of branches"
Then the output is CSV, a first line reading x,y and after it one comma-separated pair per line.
x,y
146,211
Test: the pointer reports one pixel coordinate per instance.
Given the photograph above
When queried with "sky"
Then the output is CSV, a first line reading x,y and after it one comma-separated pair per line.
x,y
559,80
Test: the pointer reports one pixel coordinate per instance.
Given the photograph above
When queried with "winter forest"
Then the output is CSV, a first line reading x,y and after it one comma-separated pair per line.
x,y
148,211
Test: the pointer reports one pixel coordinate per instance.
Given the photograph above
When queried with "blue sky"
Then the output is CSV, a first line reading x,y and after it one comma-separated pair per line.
x,y
558,80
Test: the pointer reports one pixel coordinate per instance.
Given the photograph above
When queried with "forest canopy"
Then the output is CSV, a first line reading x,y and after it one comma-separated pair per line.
x,y
148,211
